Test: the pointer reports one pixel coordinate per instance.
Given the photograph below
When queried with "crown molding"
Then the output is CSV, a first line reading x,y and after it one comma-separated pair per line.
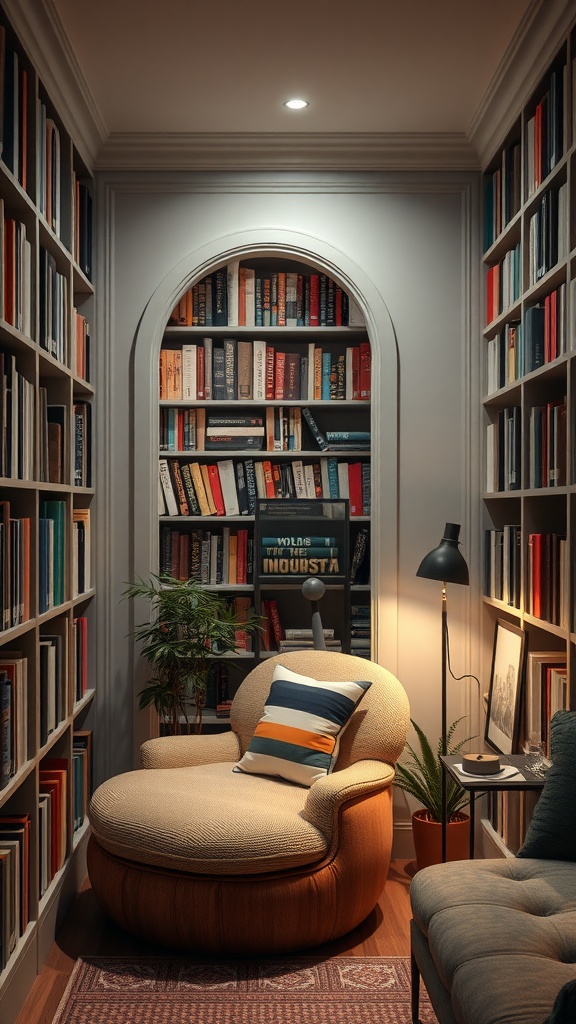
x,y
538,36
286,151
42,35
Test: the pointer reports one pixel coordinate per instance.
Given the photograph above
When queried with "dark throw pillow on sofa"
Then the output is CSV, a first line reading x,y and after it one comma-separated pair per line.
x,y
552,830
564,1010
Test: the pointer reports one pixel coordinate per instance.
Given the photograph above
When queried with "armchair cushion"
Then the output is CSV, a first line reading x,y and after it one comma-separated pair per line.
x,y
297,736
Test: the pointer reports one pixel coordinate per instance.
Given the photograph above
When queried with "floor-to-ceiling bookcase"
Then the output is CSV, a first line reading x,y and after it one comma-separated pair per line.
x,y
530,402
265,393
46,587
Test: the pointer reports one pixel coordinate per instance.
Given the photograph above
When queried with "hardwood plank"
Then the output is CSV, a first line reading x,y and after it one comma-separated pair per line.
x,y
87,932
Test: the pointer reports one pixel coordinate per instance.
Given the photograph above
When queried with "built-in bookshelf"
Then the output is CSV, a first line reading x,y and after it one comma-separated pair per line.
x,y
530,404
46,585
265,394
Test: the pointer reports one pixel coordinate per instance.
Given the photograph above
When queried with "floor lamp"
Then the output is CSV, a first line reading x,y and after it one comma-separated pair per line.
x,y
446,564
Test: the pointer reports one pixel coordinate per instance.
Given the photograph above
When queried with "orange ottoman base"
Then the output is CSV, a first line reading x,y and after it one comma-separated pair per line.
x,y
255,914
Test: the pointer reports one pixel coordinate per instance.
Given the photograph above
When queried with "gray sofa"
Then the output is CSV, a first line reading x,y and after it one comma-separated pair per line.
x,y
495,940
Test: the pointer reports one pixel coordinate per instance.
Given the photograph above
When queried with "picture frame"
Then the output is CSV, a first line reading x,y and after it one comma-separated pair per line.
x,y
506,676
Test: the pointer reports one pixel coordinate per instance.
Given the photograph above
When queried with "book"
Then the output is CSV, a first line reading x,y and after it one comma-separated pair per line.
x,y
320,438
168,488
227,475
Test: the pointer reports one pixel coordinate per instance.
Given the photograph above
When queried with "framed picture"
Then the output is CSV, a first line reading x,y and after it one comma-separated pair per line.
x,y
503,718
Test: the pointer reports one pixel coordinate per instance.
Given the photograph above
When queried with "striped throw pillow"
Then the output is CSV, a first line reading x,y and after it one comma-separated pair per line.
x,y
297,736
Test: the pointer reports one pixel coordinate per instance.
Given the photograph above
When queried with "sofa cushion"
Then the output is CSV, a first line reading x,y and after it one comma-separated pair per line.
x,y
205,820
297,736
552,830
490,926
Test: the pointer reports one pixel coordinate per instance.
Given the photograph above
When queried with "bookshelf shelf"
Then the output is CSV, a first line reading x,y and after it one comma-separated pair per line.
x,y
299,384
530,398
45,628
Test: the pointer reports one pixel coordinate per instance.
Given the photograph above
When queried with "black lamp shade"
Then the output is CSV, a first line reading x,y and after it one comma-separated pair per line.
x,y
446,563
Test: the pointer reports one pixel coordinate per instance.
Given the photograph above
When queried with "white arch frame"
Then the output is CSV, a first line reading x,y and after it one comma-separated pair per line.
x,y
325,258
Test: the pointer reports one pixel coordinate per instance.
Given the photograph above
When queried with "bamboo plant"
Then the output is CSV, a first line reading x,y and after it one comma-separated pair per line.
x,y
188,627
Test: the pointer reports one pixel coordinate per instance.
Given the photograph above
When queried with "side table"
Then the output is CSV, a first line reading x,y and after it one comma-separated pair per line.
x,y
524,780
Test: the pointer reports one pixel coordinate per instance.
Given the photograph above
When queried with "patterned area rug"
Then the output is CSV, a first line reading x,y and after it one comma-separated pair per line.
x,y
294,990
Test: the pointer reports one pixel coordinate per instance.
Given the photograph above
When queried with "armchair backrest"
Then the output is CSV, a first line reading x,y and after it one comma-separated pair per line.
x,y
378,727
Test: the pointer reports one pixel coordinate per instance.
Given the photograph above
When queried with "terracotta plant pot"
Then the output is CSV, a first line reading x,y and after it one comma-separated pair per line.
x,y
428,838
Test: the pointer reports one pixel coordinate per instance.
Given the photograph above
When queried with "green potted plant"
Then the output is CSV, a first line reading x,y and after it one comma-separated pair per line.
x,y
421,777
188,627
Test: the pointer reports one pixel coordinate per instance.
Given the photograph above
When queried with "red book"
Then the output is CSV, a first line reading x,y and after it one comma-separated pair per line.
x,y
277,631
268,479
279,375
314,300
338,306
535,554
216,489
355,488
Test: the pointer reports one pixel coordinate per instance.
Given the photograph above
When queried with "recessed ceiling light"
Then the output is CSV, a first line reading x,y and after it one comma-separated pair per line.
x,y
296,104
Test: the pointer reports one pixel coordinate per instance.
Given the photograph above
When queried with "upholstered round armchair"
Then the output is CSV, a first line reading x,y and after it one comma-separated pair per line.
x,y
273,836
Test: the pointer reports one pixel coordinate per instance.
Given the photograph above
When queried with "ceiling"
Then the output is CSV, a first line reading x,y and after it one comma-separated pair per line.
x,y
159,82
227,66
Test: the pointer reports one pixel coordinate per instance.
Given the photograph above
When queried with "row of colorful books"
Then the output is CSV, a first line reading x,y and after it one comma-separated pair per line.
x,y
503,283
502,194
548,233
55,315
241,296
276,428
230,487
547,577
277,638
212,558
231,369
227,557
523,346
15,834
502,564
545,142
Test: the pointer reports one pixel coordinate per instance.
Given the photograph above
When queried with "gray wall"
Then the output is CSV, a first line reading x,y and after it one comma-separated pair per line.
x,y
405,246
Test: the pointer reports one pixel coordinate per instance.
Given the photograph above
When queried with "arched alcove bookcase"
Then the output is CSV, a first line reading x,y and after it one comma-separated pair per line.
x,y
277,245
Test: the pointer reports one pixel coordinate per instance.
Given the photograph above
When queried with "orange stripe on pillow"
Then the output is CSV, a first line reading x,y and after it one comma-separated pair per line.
x,y
299,737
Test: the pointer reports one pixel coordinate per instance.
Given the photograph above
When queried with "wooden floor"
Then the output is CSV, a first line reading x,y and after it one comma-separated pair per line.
x,y
87,932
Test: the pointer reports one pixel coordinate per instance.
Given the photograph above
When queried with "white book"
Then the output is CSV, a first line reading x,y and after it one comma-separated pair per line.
x,y
227,475
189,363
250,295
167,488
309,480
260,482
343,481
258,370
299,479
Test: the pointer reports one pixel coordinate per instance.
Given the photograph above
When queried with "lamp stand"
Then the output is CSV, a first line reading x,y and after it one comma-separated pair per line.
x,y
444,712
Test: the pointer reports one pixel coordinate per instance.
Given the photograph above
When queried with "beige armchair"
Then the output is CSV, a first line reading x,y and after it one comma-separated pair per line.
x,y
191,854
